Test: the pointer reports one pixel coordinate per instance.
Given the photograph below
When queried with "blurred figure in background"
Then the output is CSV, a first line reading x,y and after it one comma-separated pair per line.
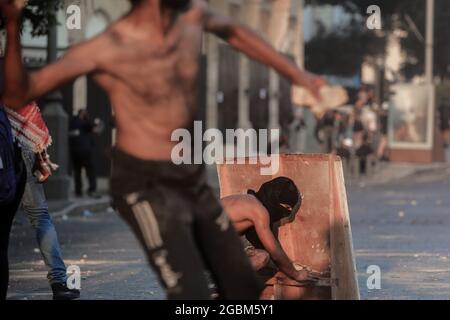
x,y
362,96
298,131
344,151
358,128
325,132
444,113
31,133
369,118
341,127
365,153
383,130
82,132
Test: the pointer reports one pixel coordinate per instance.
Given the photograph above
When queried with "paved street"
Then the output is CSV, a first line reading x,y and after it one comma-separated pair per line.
x,y
402,227
111,262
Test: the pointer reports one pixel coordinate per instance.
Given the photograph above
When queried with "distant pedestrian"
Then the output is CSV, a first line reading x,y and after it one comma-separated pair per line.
x,y
325,132
444,115
383,140
82,131
365,154
344,150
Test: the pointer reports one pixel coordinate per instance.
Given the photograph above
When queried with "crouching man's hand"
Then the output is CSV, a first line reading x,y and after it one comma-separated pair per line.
x,y
306,274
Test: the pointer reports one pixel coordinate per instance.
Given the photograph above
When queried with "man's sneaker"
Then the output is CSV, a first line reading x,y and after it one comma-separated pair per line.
x,y
61,292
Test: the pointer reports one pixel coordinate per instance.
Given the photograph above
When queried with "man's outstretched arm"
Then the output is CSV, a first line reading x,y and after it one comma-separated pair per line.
x,y
250,43
22,87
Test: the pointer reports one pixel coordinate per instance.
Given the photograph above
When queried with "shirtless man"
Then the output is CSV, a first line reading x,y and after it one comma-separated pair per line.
x,y
148,64
257,214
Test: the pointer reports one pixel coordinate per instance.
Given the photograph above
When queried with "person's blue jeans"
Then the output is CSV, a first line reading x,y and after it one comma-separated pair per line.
x,y
34,203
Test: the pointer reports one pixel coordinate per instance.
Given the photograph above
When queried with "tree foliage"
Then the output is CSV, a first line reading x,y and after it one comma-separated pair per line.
x,y
41,14
341,52
362,42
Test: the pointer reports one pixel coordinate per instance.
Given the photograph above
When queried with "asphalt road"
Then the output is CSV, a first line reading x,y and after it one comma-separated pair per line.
x,y
111,262
402,227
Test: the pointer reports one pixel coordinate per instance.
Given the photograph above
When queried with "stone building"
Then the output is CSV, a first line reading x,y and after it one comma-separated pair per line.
x,y
252,95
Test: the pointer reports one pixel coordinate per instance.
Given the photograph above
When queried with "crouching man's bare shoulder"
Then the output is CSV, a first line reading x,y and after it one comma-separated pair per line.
x,y
244,204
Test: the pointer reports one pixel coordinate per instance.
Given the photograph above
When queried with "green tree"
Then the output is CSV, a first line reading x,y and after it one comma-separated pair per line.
x,y
41,14
342,52
396,15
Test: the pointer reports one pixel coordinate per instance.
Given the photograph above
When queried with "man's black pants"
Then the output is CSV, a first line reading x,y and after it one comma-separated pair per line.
x,y
182,228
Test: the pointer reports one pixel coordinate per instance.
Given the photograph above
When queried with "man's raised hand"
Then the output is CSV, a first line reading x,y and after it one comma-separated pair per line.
x,y
12,9
312,83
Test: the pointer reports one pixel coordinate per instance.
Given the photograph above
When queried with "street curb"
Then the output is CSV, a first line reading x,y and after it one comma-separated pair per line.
x,y
405,171
79,206
432,168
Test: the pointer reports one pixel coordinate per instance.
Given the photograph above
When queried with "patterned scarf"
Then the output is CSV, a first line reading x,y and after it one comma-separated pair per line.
x,y
29,128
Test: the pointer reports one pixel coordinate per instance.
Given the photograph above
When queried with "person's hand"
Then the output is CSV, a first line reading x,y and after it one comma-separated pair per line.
x,y
258,258
43,167
12,9
313,83
307,276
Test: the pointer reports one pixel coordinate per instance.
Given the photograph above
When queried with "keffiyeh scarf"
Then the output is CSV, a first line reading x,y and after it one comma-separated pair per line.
x,y
29,128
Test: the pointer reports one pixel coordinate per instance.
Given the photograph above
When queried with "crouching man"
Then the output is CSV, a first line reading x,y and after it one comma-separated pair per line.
x,y
256,216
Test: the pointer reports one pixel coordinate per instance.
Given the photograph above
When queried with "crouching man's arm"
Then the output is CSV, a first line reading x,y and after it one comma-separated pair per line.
x,y
276,252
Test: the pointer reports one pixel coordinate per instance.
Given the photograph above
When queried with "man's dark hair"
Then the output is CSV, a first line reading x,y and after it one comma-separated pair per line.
x,y
135,2
276,193
178,5
273,195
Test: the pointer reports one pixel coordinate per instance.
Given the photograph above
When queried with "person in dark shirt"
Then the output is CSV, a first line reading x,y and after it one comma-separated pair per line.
x,y
82,146
343,151
325,131
444,113
364,152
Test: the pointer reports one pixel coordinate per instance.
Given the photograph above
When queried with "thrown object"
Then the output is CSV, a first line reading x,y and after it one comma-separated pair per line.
x,y
332,97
